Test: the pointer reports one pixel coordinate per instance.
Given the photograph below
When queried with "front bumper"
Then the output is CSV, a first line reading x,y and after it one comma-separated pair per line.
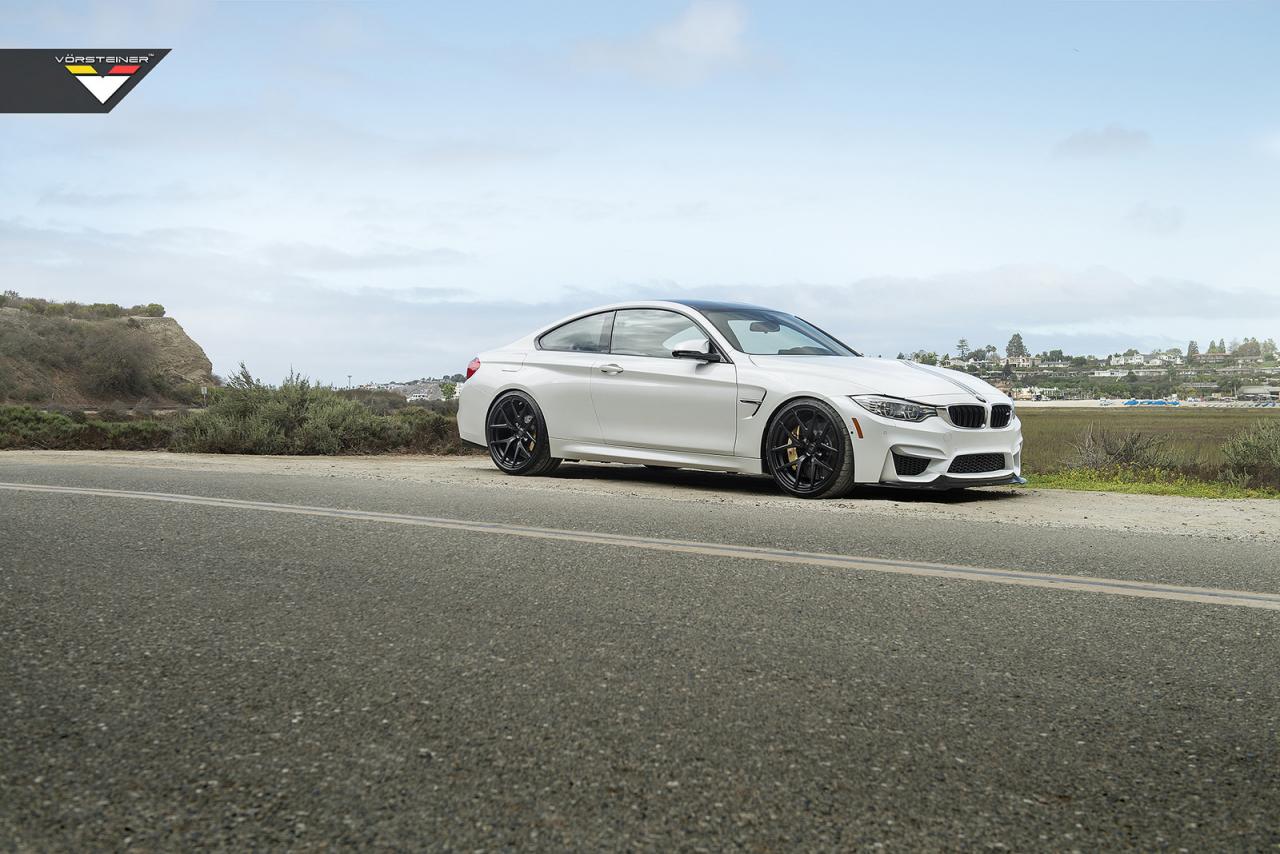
x,y
946,481
935,444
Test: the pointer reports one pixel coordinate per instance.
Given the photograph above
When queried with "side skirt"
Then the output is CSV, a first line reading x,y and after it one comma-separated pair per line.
x,y
641,456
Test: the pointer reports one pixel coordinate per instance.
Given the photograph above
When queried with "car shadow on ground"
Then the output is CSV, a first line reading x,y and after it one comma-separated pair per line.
x,y
742,484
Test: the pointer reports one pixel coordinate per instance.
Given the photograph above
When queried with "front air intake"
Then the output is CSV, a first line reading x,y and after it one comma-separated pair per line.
x,y
968,416
976,463
907,466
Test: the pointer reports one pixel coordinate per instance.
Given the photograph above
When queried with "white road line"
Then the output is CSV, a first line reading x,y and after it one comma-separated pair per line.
x,y
1080,583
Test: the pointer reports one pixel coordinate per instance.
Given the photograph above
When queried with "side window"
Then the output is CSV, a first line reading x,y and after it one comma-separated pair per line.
x,y
651,332
584,335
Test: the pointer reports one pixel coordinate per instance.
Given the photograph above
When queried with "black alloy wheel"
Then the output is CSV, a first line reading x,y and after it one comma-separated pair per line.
x,y
808,450
517,436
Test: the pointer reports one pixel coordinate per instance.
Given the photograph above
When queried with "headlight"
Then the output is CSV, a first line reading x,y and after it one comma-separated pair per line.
x,y
892,407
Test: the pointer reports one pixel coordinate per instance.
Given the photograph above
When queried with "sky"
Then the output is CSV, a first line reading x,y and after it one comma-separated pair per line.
x,y
382,190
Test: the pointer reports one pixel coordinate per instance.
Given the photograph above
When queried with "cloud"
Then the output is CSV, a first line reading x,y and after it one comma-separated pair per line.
x,y
1112,141
311,257
240,306
172,193
705,38
1156,220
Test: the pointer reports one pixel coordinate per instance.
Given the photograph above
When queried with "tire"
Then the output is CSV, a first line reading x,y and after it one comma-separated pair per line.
x,y
808,451
516,434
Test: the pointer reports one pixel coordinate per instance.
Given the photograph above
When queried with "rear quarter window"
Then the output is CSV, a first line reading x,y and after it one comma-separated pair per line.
x,y
585,335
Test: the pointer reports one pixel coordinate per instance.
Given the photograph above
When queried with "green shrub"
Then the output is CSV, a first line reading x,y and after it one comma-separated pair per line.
x,y
96,311
1253,455
248,417
25,427
119,362
423,432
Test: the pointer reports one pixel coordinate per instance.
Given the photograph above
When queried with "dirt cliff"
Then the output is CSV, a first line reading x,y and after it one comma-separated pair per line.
x,y
75,362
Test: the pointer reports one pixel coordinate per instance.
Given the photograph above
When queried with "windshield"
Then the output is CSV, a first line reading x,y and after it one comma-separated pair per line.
x,y
760,332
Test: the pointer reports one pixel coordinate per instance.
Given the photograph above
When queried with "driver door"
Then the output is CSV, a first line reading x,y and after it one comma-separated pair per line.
x,y
646,398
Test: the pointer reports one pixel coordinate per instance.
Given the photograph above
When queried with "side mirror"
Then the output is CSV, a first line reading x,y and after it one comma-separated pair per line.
x,y
696,348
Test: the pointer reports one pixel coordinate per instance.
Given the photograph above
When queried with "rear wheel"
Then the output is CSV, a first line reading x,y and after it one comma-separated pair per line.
x,y
517,436
808,451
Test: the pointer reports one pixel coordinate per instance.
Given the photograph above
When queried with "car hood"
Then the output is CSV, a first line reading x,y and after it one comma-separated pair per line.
x,y
891,377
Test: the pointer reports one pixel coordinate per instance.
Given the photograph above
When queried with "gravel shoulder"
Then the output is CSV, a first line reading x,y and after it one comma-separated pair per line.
x,y
1240,520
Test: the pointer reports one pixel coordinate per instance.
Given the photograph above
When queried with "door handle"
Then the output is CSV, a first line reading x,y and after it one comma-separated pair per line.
x,y
611,369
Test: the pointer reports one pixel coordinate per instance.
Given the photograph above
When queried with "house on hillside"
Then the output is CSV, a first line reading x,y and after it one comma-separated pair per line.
x,y
1121,360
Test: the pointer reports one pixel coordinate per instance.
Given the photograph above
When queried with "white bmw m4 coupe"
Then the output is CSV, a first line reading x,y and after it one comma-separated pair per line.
x,y
738,388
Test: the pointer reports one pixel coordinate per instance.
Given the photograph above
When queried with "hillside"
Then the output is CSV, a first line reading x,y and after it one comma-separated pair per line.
x,y
64,354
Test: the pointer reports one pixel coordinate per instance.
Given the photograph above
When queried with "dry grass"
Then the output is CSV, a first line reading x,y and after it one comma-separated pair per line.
x,y
1193,437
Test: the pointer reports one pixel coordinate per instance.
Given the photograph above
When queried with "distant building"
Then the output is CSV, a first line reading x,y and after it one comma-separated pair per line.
x,y
1120,359
1258,392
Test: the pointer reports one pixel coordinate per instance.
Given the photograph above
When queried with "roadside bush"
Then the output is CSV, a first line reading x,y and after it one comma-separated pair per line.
x,y
1253,455
1103,449
376,401
247,416
423,432
26,427
441,407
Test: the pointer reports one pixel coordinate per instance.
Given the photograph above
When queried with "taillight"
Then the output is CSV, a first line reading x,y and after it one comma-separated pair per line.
x,y
473,366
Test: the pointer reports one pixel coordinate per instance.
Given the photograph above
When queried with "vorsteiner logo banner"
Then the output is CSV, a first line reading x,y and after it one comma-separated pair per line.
x,y
71,81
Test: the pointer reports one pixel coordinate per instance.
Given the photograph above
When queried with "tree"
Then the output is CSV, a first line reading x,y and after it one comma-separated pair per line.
x,y
1057,356
1269,349
962,348
1249,347
925,357
448,390
1222,346
991,350
1015,346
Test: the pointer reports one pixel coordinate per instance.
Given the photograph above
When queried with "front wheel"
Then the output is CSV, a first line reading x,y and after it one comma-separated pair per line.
x,y
808,450
517,436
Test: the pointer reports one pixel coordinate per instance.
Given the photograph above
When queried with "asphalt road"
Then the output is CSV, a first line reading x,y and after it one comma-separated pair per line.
x,y
179,674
